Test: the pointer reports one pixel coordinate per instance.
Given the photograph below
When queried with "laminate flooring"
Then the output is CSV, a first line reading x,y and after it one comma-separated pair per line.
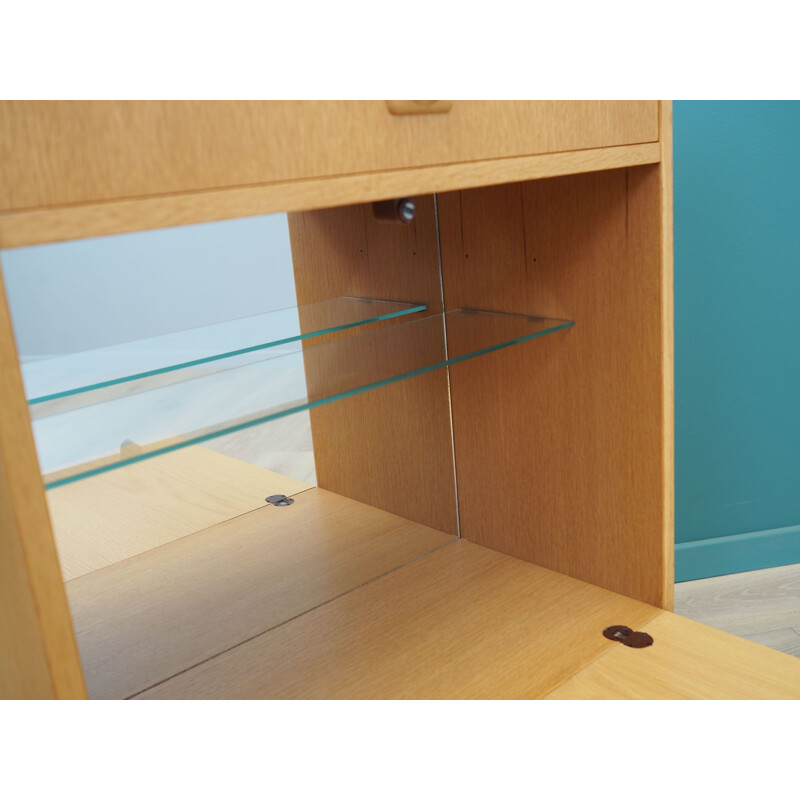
x,y
763,605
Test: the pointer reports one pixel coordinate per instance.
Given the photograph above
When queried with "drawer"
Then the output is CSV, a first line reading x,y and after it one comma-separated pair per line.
x,y
63,152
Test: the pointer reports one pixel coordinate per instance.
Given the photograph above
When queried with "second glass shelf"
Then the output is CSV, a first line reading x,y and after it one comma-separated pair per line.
x,y
77,373
145,417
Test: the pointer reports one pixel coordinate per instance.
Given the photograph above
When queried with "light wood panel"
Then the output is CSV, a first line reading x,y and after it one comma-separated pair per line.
x,y
65,152
463,622
390,447
559,442
119,514
37,646
147,618
122,216
667,355
687,661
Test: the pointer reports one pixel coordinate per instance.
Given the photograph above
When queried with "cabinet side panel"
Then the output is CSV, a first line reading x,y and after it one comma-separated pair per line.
x,y
668,346
391,447
38,654
559,442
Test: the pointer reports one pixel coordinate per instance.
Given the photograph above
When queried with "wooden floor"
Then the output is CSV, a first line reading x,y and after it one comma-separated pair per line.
x,y
763,606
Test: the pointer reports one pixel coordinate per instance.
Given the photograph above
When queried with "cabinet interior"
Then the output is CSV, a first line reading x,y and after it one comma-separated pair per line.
x,y
491,372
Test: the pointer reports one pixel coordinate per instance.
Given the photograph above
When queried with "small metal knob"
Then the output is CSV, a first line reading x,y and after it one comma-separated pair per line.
x,y
406,209
402,210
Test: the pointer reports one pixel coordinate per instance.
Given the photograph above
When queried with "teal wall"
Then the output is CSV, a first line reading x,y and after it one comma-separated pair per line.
x,y
737,336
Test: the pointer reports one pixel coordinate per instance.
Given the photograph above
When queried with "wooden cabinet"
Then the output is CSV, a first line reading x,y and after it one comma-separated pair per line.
x,y
60,153
494,455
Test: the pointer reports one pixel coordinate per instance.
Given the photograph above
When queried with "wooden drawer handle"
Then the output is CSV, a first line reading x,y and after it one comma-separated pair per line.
x,y
419,106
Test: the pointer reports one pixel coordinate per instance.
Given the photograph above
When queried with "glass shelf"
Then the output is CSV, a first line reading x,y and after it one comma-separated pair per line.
x,y
107,427
64,376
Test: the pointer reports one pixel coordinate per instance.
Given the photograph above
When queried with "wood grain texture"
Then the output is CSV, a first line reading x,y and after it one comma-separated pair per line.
x,y
687,661
390,447
667,354
18,229
38,653
565,433
65,152
463,622
147,618
419,106
745,603
119,514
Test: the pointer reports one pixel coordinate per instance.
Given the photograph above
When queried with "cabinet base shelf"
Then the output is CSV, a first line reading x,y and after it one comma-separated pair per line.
x,y
332,598
466,622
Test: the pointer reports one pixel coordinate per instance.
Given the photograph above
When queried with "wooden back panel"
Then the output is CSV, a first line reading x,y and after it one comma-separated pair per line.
x,y
559,442
390,447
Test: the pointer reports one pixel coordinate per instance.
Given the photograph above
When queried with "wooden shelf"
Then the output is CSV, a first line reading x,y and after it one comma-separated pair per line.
x,y
464,622
467,622
688,661
270,602
145,619
332,598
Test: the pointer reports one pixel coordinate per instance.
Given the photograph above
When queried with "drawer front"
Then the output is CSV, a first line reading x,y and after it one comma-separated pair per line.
x,y
62,152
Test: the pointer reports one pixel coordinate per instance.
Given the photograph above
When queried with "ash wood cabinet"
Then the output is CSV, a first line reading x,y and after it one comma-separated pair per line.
x,y
62,153
490,395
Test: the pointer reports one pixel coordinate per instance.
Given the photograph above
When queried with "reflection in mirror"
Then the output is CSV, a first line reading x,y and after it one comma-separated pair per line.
x,y
173,559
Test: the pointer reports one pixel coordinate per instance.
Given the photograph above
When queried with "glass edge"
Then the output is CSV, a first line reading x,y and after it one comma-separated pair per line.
x,y
412,309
